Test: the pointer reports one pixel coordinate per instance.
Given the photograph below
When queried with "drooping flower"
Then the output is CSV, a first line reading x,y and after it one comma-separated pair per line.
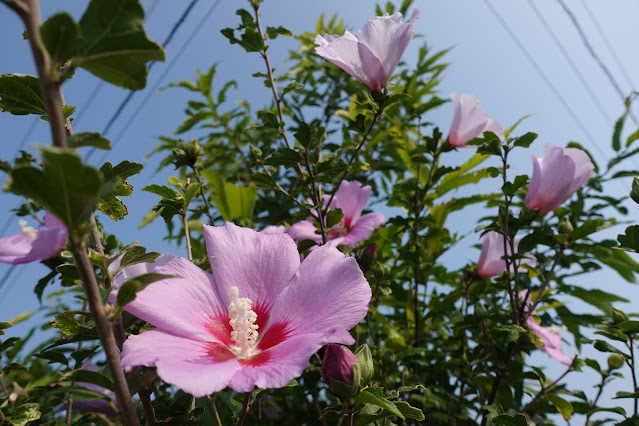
x,y
372,53
32,244
556,176
351,198
491,262
255,322
470,121
337,364
549,336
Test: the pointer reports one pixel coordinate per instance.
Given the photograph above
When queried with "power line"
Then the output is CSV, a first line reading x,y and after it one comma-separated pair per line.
x,y
596,57
545,78
129,95
602,34
574,67
157,84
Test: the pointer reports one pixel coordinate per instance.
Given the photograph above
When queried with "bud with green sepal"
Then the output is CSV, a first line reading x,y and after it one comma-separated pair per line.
x,y
341,371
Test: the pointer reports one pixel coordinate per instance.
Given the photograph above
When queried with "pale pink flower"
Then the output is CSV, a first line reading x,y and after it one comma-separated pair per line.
x,y
255,322
372,53
131,271
549,336
274,230
32,244
491,262
351,198
470,121
556,176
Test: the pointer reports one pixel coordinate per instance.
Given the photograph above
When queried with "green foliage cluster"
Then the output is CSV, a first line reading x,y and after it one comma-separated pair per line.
x,y
439,345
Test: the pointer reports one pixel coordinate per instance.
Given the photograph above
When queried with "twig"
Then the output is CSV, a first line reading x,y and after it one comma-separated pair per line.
x,y
214,409
631,364
545,389
547,279
203,195
149,412
245,409
187,236
2,417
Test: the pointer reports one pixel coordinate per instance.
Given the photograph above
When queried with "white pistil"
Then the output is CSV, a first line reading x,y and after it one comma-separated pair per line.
x,y
242,320
340,228
553,329
30,233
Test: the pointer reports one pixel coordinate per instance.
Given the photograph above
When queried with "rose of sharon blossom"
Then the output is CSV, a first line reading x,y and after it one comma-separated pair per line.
x,y
490,262
351,198
549,336
372,53
470,120
255,322
556,176
32,244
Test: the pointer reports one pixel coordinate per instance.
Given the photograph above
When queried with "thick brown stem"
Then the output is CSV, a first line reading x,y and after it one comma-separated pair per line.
x,y
105,332
245,409
149,412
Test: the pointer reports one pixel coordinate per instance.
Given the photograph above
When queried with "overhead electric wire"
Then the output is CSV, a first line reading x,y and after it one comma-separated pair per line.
x,y
611,49
129,95
159,81
547,80
596,57
574,67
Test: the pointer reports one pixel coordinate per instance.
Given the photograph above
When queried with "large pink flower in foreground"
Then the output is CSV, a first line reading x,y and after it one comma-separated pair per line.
x,y
255,322
351,198
556,176
32,244
491,262
470,121
549,336
372,53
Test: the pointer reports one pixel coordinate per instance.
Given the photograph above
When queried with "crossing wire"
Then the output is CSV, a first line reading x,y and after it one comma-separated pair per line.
x,y
547,80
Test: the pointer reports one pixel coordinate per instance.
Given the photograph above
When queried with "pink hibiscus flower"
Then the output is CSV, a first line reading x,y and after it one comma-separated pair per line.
x,y
549,336
470,120
372,53
491,262
255,322
351,198
32,244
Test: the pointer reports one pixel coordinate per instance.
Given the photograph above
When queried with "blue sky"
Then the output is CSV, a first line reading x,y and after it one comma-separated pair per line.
x,y
484,61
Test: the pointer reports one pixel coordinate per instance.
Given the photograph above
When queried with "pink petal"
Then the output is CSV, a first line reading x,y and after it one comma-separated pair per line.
x,y
329,295
132,271
259,265
286,361
552,343
274,230
188,306
304,230
494,126
351,198
16,249
363,229
185,363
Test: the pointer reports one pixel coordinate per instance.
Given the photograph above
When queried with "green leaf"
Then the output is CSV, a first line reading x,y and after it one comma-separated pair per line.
x,y
23,414
65,186
116,186
67,324
525,140
629,327
54,356
88,376
20,94
163,191
233,202
4,326
138,255
333,217
284,157
60,35
410,412
129,290
268,119
510,420
113,207
630,240
564,407
42,283
114,45
365,397
95,140
79,393
273,32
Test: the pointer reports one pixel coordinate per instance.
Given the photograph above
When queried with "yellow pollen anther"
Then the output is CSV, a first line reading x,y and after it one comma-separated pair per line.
x,y
242,320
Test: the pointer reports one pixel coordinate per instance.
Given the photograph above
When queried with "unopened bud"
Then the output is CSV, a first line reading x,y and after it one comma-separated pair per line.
x,y
368,256
565,227
339,368
615,361
619,316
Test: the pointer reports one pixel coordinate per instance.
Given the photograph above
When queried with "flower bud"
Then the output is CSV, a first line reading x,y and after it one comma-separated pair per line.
x,y
619,316
341,371
565,227
365,364
338,364
615,361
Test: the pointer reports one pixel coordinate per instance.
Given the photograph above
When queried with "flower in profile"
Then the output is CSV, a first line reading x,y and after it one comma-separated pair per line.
x,y
491,262
255,322
372,53
32,244
470,121
351,198
556,176
549,336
